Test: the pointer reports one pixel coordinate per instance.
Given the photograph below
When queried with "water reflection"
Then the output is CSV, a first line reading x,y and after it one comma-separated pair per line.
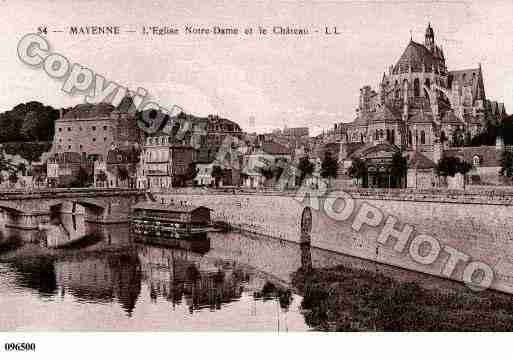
x,y
91,276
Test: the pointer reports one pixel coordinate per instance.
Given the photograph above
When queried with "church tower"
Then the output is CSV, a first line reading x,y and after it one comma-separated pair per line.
x,y
429,40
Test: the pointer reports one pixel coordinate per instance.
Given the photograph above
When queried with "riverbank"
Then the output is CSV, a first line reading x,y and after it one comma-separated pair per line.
x,y
349,299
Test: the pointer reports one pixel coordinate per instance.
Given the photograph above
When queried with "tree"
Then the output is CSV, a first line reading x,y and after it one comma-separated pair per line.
x,y
507,164
29,129
82,177
217,174
101,177
123,173
13,178
22,168
6,164
267,172
449,166
398,169
305,167
358,170
329,167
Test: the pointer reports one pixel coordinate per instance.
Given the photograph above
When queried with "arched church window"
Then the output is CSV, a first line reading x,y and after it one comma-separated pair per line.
x,y
422,137
428,83
361,137
392,137
410,137
416,88
376,135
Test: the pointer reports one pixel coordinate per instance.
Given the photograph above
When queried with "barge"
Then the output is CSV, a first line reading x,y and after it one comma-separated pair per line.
x,y
170,221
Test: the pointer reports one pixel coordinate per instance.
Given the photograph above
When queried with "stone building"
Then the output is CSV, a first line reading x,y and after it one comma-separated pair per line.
x,y
165,163
94,129
421,104
119,167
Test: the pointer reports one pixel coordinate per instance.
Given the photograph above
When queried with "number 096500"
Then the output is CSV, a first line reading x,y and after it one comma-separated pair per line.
x,y
20,347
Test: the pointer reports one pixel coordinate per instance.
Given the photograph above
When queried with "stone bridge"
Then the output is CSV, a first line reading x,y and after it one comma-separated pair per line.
x,y
27,209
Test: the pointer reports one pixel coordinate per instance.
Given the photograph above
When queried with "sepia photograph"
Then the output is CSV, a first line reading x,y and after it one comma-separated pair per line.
x,y
258,167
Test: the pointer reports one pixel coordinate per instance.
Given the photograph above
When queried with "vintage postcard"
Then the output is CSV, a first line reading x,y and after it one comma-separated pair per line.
x,y
270,166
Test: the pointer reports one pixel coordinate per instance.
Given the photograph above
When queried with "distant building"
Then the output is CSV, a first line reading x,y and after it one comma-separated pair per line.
x,y
119,167
296,131
165,164
420,103
93,129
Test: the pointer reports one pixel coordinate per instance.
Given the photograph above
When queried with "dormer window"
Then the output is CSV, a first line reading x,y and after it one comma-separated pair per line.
x,y
476,161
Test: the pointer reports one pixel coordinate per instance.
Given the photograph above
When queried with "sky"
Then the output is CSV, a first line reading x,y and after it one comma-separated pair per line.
x,y
278,80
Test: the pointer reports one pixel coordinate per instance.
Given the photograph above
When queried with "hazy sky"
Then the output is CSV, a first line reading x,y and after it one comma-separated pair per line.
x,y
280,80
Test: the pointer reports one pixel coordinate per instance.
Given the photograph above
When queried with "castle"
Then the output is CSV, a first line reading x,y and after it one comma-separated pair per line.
x,y
420,106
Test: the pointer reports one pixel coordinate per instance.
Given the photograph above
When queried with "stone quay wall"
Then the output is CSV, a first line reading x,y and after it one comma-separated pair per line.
x,y
478,224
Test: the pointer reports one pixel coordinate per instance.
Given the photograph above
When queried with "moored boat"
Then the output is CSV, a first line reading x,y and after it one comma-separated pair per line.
x,y
169,220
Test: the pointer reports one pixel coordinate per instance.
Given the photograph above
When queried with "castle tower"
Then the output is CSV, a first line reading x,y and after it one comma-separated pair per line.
x,y
429,40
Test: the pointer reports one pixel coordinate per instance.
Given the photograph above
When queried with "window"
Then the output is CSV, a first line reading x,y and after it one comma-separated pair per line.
x,y
416,88
105,128
80,146
60,129
69,129
94,128
476,161
80,128
105,139
94,139
422,137
69,147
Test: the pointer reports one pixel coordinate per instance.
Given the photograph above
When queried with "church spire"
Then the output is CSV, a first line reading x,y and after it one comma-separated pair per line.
x,y
429,40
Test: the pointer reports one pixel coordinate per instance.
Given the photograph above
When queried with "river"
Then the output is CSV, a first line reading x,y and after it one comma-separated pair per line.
x,y
75,275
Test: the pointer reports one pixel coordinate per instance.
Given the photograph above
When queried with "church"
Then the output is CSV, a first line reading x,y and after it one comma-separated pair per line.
x,y
420,108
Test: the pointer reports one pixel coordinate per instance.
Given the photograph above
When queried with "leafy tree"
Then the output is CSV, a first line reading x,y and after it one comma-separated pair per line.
x,y
6,164
22,168
267,172
449,166
358,170
101,176
329,166
30,126
123,173
507,164
82,177
217,174
306,168
398,169
13,178
457,137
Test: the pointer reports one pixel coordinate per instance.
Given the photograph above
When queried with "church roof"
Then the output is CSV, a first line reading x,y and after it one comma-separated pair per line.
x,y
416,55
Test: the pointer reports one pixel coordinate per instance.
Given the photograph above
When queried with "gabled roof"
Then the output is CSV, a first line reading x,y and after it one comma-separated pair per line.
x,y
417,55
